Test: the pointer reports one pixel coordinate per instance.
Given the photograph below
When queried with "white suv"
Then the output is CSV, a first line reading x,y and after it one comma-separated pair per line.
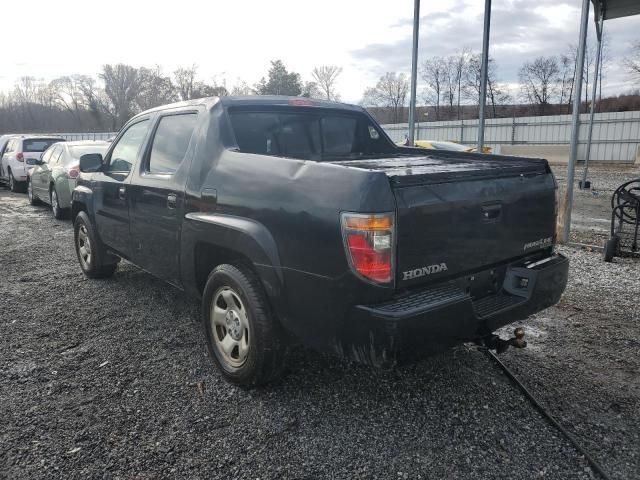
x,y
19,155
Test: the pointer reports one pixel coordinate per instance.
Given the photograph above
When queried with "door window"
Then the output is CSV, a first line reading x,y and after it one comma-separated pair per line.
x,y
47,154
55,155
170,142
124,154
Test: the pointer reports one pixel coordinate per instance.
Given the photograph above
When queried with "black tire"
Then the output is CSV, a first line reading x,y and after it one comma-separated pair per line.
x,y
265,357
33,200
611,248
58,213
14,185
98,264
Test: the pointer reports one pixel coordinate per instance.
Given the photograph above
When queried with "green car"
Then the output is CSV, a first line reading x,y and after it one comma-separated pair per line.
x,y
55,173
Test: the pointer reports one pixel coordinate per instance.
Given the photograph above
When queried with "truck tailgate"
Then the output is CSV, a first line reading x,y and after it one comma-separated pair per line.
x,y
459,214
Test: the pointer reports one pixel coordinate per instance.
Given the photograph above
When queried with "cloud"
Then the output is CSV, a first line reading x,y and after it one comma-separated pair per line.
x,y
520,31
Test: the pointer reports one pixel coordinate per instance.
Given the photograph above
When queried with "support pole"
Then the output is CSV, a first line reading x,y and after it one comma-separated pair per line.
x,y
414,72
575,122
593,102
484,73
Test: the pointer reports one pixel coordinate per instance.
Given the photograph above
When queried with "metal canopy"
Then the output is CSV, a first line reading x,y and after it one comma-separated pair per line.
x,y
610,9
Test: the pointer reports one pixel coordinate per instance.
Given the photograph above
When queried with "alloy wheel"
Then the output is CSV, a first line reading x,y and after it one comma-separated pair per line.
x,y
84,247
54,202
230,327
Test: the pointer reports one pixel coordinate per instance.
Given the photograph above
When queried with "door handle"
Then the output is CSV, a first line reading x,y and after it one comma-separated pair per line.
x,y
172,201
122,192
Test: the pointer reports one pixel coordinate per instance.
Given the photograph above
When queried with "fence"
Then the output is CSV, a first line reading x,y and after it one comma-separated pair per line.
x,y
616,135
86,136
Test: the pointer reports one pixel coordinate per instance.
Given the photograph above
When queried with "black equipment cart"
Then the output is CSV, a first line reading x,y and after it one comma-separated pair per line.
x,y
625,220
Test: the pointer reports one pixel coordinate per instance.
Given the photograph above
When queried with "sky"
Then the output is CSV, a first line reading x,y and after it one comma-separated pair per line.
x,y
235,39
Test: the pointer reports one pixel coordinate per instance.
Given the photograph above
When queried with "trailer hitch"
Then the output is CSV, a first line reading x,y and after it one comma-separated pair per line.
x,y
500,345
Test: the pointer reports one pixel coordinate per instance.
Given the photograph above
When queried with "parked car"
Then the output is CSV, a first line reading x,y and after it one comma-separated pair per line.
x,y
55,173
297,220
4,141
20,155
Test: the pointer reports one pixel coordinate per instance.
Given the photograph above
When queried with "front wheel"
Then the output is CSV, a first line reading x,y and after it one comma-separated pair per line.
x,y
243,336
33,200
94,260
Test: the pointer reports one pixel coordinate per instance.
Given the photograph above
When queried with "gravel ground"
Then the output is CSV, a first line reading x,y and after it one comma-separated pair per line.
x,y
111,379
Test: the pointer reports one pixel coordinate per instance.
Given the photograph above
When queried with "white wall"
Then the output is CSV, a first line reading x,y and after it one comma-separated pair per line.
x,y
616,135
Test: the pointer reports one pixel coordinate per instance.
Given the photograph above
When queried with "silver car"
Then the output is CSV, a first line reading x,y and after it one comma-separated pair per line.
x,y
55,173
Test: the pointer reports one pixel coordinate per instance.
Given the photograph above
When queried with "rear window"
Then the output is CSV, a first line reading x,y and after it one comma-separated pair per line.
x,y
38,144
78,151
310,134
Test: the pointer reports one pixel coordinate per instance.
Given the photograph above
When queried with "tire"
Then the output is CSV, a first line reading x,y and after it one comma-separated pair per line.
x,y
611,248
92,256
58,213
33,200
14,185
257,346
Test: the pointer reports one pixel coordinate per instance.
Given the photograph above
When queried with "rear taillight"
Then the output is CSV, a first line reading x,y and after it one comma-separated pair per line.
x,y
72,172
20,157
369,244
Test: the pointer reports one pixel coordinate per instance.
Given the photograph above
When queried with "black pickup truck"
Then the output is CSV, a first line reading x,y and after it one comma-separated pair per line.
x,y
297,220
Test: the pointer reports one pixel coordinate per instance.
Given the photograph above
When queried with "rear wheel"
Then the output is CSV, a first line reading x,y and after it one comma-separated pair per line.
x,y
58,212
33,200
14,185
94,260
244,338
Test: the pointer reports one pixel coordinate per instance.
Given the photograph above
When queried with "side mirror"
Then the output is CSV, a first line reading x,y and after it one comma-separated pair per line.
x,y
90,162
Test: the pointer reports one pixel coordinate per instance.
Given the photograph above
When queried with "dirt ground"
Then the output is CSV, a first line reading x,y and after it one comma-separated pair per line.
x,y
111,379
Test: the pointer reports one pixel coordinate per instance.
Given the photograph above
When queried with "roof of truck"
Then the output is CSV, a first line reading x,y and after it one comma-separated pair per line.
x,y
256,100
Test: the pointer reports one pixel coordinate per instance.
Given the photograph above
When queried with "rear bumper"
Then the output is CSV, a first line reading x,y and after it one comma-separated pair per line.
x,y
437,318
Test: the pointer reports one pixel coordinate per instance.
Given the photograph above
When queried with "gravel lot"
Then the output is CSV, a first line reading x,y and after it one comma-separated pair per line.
x,y
111,379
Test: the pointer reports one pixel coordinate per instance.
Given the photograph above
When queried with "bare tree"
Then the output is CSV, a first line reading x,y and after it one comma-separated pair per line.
x,y
241,88
122,85
461,61
433,73
496,92
185,79
325,77
566,79
390,91
539,81
632,61
156,89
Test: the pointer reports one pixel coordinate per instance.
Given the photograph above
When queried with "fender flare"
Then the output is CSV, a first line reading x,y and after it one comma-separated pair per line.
x,y
245,236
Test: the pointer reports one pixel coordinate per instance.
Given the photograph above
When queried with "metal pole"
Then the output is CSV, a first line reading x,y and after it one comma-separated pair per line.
x,y
414,71
593,103
575,121
484,72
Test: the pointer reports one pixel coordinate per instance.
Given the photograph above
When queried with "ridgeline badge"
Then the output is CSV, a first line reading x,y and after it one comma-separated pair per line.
x,y
540,243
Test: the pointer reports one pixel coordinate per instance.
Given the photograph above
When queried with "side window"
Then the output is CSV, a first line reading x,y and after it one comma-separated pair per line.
x,y
124,154
46,156
55,156
170,142
9,146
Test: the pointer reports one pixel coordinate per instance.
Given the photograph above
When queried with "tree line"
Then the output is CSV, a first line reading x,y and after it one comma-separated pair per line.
x,y
451,90
452,87
83,103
